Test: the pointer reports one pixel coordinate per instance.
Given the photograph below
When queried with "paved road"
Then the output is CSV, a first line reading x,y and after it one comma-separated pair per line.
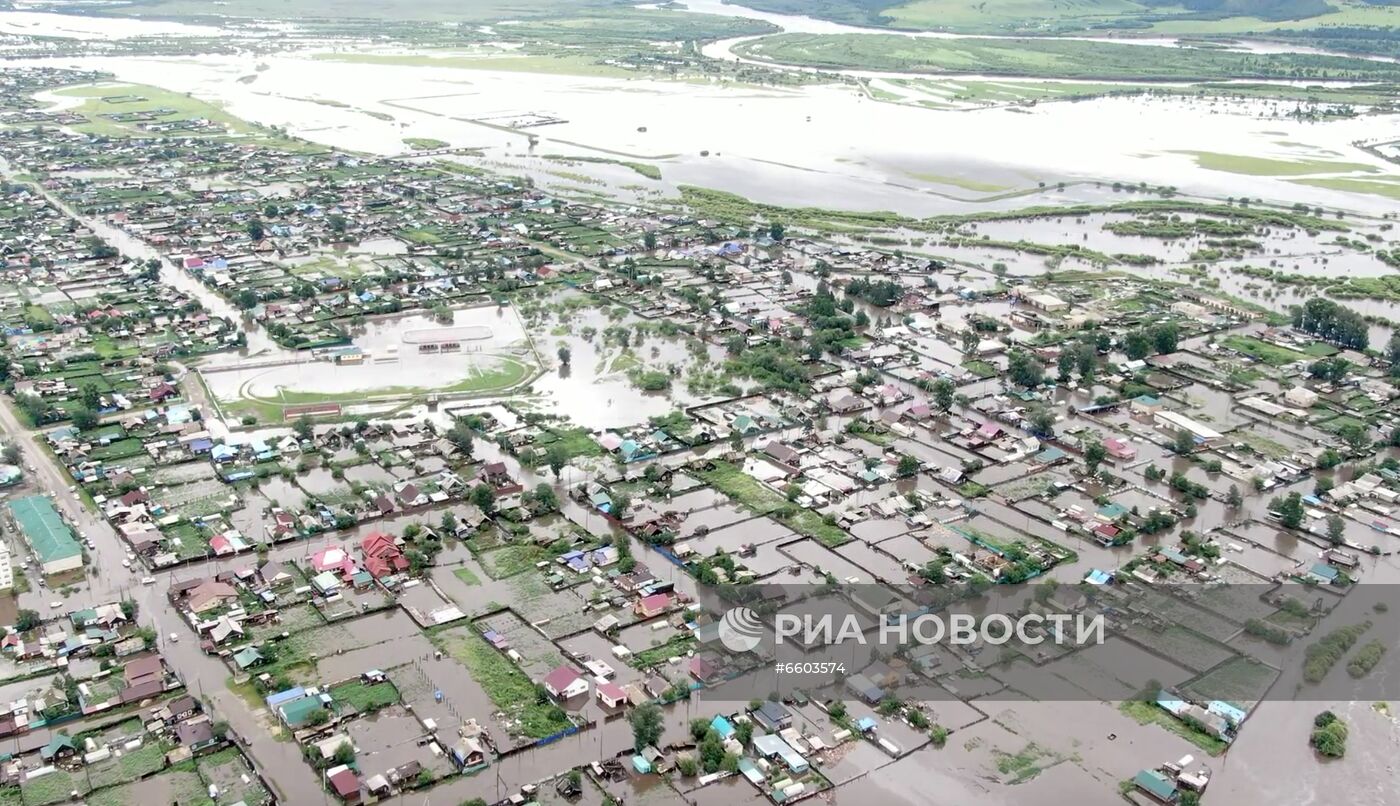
x,y
290,776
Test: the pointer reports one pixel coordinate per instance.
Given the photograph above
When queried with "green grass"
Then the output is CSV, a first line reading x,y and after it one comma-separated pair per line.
x,y
1377,187
508,687
364,697
505,373
748,492
1271,354
103,100
467,576
508,561
425,143
1149,713
52,788
1050,58
1261,166
960,182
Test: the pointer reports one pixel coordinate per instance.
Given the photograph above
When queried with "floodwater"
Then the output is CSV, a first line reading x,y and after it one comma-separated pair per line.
x,y
67,26
826,145
391,360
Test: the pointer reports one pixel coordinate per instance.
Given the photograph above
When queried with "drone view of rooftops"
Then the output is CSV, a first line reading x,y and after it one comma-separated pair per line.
x,y
597,402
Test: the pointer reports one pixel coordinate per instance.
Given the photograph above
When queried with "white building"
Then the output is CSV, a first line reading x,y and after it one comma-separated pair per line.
x,y
1301,396
7,574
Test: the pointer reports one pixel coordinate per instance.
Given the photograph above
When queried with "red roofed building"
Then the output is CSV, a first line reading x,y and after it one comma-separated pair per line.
x,y
346,785
653,605
564,683
382,557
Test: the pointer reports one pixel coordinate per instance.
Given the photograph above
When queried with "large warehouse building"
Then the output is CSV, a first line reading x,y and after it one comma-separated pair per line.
x,y
46,533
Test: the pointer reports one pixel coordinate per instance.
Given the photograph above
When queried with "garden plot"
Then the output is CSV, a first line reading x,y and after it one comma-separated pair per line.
x,y
510,691
198,497
1190,649
125,766
755,531
1240,601
881,566
1175,610
181,474
538,655
237,783
873,530
174,786
1241,680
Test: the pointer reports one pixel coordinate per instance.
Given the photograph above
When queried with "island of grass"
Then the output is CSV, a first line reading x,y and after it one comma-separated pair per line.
x,y
425,143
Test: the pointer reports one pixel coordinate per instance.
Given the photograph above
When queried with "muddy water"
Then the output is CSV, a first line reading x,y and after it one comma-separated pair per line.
x,y
825,146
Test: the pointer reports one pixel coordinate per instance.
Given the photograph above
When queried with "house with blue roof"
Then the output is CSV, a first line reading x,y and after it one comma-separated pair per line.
x,y
721,726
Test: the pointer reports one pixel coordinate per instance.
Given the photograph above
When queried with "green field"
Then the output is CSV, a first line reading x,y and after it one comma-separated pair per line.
x,y
1375,187
1050,58
105,100
424,143
1270,354
1263,166
506,685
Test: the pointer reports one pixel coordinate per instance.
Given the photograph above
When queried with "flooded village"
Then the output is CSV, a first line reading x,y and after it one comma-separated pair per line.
x,y
338,475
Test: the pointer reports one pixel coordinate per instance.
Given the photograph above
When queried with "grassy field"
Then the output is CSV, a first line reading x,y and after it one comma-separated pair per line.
x,y
1263,166
1375,187
425,143
364,697
508,687
1008,15
467,575
1270,354
960,182
1147,713
748,492
1051,58
506,373
101,101
482,11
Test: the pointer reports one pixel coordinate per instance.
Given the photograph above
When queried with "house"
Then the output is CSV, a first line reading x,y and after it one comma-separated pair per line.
x,y
1145,405
383,557
196,734
60,747
274,574
611,695
1156,786
771,745
1301,396
653,605
209,594
467,752
345,782
1120,449
181,708
702,670
565,683
773,716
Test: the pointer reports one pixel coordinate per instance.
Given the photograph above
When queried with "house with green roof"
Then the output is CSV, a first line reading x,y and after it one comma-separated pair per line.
x,y
1156,785
47,535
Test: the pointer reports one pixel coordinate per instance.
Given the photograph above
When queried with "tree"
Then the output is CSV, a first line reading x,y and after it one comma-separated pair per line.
x,y
1024,369
1183,443
908,465
557,458
711,751
1354,435
129,609
1094,454
461,436
1042,422
564,355
246,299
943,392
26,620
1336,527
777,231
1329,736
647,725
484,498
649,240
1136,345
344,754
1392,352
1290,510
1065,365
255,229
318,716
84,418
304,428
90,396
1164,337
545,497
1233,497
448,523
12,454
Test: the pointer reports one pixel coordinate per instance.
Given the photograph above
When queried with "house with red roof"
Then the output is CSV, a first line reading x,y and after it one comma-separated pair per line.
x,y
383,557
334,559
565,683
1120,449
653,605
